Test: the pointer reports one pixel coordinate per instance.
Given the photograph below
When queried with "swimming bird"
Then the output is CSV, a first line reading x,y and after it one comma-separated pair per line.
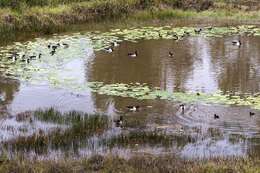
x,y
54,47
65,45
14,58
27,60
216,116
133,108
186,33
109,50
119,122
115,44
170,54
197,30
182,106
52,52
251,114
40,55
236,42
32,57
133,54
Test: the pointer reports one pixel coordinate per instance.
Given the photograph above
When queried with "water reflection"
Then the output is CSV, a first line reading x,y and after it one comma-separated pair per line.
x,y
199,64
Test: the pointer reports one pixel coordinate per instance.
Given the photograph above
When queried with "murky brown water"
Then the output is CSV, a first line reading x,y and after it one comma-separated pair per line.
x,y
199,64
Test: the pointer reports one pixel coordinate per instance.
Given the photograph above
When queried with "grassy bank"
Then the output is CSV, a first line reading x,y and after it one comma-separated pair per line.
x,y
138,164
60,15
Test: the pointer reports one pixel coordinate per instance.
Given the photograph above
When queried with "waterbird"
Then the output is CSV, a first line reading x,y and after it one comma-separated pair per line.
x,y
216,116
197,30
182,106
40,55
32,57
27,60
52,52
187,33
133,54
119,122
251,114
65,45
54,47
14,58
115,44
236,42
109,50
170,54
133,108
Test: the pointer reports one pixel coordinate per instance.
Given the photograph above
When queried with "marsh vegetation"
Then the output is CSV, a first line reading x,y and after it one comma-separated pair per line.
x,y
129,86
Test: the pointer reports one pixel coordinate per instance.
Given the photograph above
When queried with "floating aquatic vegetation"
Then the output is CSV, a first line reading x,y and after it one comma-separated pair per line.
x,y
55,68
82,45
143,91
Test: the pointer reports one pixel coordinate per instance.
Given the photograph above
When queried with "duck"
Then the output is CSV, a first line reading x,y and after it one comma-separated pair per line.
x,y
54,47
133,108
32,57
182,106
133,54
198,30
251,114
236,42
187,33
119,122
109,50
115,44
65,45
14,58
216,116
171,54
40,55
175,37
52,52
27,60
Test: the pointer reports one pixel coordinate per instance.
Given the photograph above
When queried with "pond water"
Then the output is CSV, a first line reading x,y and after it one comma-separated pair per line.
x,y
203,65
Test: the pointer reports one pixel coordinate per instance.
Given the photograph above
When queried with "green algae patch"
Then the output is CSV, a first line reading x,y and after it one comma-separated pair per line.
x,y
143,92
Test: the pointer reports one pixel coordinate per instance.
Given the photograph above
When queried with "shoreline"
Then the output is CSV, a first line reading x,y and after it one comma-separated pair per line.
x,y
62,18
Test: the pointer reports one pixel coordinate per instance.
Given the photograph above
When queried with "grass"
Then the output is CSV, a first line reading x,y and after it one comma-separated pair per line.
x,y
62,14
136,164
81,126
151,138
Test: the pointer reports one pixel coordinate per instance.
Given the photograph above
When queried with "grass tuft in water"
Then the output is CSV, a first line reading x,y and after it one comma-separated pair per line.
x,y
80,127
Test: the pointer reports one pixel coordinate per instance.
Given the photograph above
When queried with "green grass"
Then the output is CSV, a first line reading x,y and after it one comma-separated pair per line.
x,y
81,127
62,14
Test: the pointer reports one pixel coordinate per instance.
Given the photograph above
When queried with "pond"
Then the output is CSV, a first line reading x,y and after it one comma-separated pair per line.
x,y
189,91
